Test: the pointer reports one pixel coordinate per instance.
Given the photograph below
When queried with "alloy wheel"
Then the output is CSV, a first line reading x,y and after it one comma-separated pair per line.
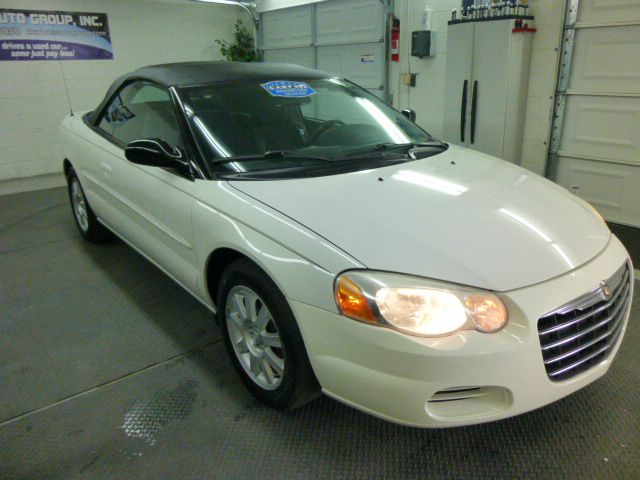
x,y
79,205
255,337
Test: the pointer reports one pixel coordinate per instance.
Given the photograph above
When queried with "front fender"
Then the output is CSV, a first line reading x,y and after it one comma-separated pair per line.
x,y
302,264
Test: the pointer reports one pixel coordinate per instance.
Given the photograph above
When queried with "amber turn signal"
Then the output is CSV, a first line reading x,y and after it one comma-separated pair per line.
x,y
352,301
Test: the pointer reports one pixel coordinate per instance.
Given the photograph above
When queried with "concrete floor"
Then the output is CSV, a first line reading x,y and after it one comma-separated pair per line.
x,y
109,370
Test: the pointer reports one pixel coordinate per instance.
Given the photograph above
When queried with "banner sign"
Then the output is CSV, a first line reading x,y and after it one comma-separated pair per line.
x,y
47,35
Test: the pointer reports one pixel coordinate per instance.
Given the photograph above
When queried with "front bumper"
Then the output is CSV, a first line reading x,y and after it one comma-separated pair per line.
x,y
467,378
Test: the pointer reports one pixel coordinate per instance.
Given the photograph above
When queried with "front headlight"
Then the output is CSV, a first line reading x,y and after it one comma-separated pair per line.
x,y
417,306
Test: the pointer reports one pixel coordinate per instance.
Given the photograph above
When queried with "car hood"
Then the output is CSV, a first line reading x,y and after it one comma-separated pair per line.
x,y
460,216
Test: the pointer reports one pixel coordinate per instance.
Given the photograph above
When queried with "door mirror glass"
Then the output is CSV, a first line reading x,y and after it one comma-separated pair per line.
x,y
156,153
409,113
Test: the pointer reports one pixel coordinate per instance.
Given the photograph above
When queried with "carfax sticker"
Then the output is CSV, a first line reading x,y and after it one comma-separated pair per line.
x,y
286,88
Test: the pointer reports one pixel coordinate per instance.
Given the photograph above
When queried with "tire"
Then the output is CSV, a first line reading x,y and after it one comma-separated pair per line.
x,y
88,225
264,342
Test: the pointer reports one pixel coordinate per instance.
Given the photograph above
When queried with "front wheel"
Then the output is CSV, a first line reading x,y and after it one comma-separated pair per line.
x,y
90,227
262,338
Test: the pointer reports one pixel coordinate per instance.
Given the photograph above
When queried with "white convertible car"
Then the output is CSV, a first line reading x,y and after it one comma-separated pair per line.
x,y
347,251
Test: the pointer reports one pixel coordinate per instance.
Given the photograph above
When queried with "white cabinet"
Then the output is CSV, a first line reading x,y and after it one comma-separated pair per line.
x,y
486,92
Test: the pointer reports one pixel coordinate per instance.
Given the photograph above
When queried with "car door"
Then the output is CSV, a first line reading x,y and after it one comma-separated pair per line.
x,y
150,206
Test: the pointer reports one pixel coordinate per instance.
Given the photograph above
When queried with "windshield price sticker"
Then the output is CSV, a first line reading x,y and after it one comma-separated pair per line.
x,y
286,88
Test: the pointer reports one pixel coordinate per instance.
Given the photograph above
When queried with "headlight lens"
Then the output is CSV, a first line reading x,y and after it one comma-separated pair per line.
x,y
417,306
421,310
487,311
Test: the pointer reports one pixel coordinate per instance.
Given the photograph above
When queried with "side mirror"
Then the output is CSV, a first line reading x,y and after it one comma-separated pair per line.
x,y
156,153
409,113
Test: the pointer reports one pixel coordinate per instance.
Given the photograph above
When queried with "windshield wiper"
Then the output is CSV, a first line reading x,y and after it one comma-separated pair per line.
x,y
331,168
393,146
384,147
272,154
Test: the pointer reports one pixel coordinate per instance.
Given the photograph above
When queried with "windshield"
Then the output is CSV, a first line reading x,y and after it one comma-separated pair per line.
x,y
317,125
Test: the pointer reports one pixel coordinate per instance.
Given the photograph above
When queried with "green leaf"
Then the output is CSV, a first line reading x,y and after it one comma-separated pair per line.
x,y
242,49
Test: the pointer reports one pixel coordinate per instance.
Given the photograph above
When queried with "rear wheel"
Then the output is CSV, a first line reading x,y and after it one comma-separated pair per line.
x,y
262,338
90,227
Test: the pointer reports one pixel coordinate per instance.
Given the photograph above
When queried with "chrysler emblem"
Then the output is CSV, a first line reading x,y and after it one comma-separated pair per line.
x,y
606,290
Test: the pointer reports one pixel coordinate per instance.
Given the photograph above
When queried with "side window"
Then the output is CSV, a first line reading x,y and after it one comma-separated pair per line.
x,y
141,110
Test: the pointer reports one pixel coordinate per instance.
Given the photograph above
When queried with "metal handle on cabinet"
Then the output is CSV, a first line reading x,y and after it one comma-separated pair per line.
x,y
474,103
463,111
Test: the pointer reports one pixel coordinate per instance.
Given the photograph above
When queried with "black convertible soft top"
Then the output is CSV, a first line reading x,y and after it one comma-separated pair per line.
x,y
200,73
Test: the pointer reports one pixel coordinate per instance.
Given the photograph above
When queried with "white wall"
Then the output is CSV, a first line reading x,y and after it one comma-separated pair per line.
x,y
143,32
427,97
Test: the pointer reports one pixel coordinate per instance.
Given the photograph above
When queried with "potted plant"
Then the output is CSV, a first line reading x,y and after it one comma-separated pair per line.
x,y
242,49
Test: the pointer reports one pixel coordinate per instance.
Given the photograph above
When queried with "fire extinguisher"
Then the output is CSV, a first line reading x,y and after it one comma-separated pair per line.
x,y
395,40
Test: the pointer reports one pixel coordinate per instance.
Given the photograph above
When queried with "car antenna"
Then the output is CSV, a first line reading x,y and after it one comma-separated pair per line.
x,y
66,88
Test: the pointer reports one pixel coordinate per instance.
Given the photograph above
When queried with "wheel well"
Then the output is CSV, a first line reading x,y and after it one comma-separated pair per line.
x,y
218,261
66,166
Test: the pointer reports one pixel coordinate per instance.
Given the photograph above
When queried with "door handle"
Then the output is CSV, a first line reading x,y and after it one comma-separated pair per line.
x,y
474,105
463,111
106,168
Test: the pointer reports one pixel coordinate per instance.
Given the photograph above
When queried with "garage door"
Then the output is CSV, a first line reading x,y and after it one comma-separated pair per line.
x,y
344,37
595,148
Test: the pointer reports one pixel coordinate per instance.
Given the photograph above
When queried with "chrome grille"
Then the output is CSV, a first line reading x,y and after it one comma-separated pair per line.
x,y
583,332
